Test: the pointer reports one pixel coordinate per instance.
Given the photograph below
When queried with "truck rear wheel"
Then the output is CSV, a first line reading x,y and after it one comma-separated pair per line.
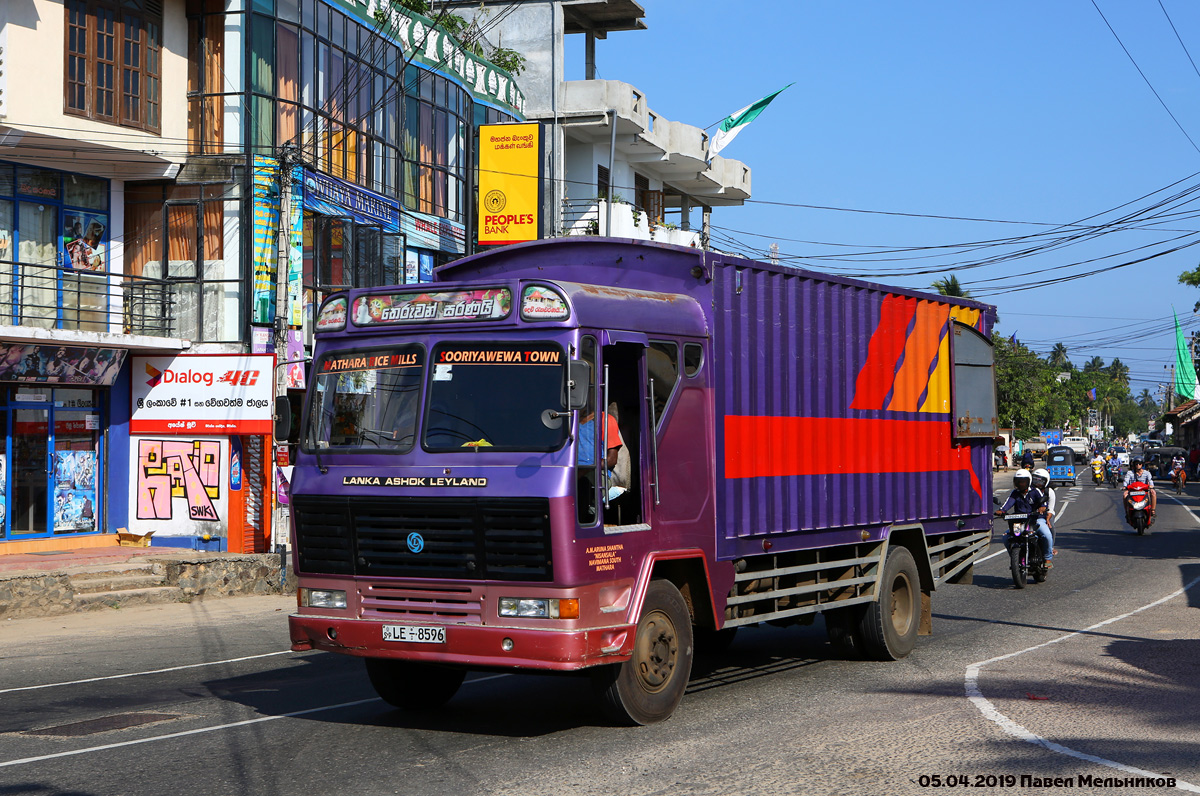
x,y
413,686
646,688
889,625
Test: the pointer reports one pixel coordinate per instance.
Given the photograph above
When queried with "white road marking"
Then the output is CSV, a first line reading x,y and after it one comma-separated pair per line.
x,y
990,712
200,730
139,674
185,733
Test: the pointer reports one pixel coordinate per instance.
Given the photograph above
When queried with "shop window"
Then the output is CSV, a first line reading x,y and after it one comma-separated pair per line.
x,y
114,61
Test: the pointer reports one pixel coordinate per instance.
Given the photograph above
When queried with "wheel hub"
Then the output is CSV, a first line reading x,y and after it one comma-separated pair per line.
x,y
657,652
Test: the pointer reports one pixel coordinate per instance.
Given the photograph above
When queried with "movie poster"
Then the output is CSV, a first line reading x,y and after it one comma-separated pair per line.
x,y
83,240
48,364
74,491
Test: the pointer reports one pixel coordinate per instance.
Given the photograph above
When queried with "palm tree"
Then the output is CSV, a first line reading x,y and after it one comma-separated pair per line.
x,y
1094,365
949,286
1119,372
1058,356
1146,401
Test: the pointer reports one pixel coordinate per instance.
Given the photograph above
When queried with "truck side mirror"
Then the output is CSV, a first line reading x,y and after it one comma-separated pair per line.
x,y
283,418
578,380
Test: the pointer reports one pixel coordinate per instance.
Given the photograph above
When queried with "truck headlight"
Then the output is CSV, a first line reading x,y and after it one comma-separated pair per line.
x,y
322,598
539,607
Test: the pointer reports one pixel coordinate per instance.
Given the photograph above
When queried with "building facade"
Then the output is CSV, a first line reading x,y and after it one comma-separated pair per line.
x,y
614,166
203,152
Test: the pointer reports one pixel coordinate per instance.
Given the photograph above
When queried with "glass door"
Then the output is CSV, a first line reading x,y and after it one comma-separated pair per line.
x,y
75,464
30,471
54,462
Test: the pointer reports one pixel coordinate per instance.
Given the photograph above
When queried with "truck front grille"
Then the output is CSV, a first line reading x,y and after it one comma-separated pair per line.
x,y
473,539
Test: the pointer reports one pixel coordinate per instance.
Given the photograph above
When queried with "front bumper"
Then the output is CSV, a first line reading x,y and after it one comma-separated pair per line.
x,y
470,645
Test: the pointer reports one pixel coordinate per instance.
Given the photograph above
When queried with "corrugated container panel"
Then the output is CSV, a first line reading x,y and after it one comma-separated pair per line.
x,y
814,388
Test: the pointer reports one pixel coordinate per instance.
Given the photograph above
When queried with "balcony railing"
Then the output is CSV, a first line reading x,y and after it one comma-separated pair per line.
x,y
53,297
591,217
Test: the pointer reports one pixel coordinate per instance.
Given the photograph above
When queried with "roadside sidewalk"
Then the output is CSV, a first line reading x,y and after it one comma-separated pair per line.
x,y
65,581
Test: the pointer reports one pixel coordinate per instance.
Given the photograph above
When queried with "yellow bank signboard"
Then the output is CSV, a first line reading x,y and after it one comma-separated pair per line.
x,y
510,183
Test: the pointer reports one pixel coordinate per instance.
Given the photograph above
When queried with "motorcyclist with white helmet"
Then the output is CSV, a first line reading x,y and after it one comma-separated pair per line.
x,y
1045,523
1024,499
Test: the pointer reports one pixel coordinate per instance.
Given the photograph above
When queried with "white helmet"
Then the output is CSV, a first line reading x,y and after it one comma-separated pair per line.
x,y
1041,477
1021,478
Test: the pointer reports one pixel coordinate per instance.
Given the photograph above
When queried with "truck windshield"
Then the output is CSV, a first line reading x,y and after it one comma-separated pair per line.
x,y
366,399
492,396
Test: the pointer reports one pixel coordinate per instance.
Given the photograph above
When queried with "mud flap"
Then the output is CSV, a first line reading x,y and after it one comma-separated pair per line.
x,y
926,626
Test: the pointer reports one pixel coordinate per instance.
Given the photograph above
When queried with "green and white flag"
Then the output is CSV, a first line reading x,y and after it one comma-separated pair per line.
x,y
1185,370
737,122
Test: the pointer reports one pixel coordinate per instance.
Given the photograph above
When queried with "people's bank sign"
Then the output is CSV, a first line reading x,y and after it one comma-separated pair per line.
x,y
199,394
435,49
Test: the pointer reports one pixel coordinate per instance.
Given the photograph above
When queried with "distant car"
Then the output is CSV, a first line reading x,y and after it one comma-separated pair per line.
x,y
1122,454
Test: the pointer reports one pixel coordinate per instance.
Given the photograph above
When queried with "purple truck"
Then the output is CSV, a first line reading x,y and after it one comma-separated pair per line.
x,y
596,455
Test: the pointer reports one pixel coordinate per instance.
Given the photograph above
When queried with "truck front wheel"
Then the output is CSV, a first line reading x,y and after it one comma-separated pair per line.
x,y
647,688
413,686
889,625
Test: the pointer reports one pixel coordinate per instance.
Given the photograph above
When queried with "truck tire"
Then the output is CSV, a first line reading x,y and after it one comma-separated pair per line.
x,y
889,625
413,686
646,688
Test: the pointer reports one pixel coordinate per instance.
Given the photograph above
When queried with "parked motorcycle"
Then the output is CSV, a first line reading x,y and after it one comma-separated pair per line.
x,y
1025,558
1137,506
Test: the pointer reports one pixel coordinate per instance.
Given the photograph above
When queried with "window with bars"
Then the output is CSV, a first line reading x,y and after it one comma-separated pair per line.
x,y
114,61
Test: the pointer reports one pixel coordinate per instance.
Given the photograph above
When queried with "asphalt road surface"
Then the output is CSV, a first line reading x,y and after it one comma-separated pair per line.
x,y
1092,678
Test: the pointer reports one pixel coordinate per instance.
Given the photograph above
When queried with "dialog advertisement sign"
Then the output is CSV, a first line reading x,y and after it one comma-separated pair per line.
x,y
198,394
510,183
445,306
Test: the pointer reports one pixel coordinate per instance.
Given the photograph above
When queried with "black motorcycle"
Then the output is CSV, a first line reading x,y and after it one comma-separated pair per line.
x,y
1114,476
1025,558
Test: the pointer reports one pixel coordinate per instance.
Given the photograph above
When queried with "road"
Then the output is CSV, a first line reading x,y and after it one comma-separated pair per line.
x,y
1094,673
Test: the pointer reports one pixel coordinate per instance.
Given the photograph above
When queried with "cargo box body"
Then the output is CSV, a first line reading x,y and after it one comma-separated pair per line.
x,y
832,399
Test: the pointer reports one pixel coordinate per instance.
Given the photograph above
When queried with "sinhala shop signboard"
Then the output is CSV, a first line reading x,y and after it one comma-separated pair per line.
x,y
202,394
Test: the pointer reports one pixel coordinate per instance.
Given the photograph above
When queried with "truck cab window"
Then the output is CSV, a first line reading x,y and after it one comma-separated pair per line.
x,y
491,396
585,486
662,363
693,358
366,399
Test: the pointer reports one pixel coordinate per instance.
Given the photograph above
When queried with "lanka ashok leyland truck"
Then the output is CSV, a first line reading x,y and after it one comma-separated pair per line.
x,y
781,444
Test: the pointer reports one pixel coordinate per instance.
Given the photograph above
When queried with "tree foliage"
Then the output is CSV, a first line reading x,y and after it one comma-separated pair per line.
x,y
1032,393
467,32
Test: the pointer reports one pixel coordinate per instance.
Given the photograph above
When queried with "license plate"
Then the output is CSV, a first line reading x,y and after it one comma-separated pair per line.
x,y
1016,516
419,634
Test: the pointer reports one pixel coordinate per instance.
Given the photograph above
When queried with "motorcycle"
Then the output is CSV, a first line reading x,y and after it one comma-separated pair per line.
x,y
1097,473
1137,506
1114,476
1025,558
1179,480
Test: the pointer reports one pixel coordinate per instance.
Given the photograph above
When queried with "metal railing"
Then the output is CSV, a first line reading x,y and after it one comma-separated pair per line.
x,y
54,297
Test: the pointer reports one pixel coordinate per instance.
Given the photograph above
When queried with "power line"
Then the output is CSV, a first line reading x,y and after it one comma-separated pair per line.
x,y
1143,74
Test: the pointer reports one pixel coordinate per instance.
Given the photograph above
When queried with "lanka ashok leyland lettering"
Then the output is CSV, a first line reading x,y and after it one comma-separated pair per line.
x,y
455,504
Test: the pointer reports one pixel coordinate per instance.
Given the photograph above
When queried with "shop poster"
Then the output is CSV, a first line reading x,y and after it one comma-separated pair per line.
x,y
83,240
74,491
48,364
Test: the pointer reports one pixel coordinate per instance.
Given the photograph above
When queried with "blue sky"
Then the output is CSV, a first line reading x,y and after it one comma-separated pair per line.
x,y
1024,111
